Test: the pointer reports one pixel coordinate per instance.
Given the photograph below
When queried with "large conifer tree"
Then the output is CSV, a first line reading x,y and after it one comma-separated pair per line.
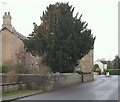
x,y
61,38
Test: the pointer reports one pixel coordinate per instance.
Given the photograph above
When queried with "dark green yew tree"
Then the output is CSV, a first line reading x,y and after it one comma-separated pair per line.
x,y
116,62
61,38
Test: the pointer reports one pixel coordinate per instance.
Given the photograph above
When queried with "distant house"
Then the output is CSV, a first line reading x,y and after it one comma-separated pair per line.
x,y
102,64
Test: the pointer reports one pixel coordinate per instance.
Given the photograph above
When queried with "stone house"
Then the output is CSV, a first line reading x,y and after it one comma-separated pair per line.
x,y
12,50
12,47
86,62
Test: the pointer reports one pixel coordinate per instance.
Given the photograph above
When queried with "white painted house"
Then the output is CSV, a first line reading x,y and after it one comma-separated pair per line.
x,y
102,64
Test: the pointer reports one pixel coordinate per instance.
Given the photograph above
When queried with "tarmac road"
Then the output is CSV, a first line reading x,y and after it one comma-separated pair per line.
x,y
102,88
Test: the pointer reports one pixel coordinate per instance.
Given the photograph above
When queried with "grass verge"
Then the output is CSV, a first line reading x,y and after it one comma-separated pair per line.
x,y
21,92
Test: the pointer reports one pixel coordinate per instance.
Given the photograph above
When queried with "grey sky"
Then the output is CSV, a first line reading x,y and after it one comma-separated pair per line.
x,y
101,16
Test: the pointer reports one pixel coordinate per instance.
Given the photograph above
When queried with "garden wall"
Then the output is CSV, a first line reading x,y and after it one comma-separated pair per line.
x,y
88,77
49,82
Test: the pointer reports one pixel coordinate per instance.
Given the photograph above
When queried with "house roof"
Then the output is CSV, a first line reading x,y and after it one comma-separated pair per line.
x,y
103,62
12,30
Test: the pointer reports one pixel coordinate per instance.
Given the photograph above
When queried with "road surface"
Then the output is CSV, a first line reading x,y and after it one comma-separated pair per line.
x,y
103,88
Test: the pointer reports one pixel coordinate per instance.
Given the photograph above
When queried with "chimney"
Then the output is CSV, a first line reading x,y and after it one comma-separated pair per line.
x,y
6,20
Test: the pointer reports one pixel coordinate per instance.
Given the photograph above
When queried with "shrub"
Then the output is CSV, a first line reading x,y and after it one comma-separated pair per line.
x,y
113,71
3,68
98,70
96,66
20,68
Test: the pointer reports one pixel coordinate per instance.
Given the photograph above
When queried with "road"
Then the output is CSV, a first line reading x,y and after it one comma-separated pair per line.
x,y
103,88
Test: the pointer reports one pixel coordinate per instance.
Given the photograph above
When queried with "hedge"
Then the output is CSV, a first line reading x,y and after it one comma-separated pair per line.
x,y
98,70
86,73
113,71
79,72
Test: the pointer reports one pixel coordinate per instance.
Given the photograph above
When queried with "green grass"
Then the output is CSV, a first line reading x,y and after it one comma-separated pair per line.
x,y
20,92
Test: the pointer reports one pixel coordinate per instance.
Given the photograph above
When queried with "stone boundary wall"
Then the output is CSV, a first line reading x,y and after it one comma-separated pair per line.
x,y
88,77
49,81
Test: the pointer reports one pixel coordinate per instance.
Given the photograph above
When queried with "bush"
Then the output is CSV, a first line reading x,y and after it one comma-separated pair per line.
x,y
3,68
20,68
96,66
113,71
98,70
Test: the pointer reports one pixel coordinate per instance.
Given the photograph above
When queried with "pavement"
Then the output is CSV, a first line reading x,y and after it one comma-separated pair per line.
x,y
103,88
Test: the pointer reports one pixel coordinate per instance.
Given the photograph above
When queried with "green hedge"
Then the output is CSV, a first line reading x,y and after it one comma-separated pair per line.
x,y
113,71
98,70
79,72
86,73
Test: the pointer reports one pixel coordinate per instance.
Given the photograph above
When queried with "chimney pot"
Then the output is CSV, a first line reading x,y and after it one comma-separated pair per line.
x,y
8,13
6,20
5,13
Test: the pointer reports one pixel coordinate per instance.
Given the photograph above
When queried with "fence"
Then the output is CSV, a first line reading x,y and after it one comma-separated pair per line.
x,y
9,87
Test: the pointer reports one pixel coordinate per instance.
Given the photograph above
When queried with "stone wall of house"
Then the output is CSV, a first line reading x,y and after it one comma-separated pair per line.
x,y
31,62
12,48
34,65
87,62
12,51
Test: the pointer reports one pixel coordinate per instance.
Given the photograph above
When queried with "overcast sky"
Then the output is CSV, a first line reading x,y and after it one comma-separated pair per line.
x,y
101,16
